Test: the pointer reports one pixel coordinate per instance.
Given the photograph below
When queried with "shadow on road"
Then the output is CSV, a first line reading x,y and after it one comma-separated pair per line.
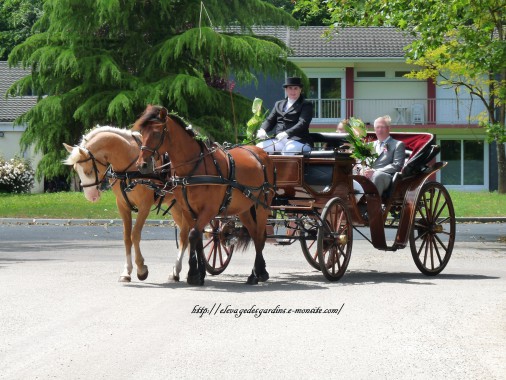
x,y
295,281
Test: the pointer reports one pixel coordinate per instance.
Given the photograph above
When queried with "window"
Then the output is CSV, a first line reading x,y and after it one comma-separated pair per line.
x,y
370,74
326,94
466,163
400,74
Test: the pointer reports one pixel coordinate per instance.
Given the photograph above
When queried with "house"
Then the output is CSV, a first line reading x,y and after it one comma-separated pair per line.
x,y
360,72
10,109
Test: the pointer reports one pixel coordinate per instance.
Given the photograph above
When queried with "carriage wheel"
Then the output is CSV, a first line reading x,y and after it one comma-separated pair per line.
x,y
335,240
308,242
433,234
218,249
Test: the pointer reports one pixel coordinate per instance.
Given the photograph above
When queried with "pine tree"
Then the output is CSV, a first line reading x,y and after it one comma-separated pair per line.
x,y
103,61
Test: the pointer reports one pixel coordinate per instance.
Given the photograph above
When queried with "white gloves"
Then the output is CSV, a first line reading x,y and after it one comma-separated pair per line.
x,y
281,136
261,134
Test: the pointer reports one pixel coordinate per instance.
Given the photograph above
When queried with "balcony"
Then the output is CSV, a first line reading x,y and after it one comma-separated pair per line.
x,y
402,111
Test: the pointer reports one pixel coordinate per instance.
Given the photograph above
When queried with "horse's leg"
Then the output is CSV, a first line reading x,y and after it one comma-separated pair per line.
x,y
126,216
142,214
256,228
197,272
183,240
194,274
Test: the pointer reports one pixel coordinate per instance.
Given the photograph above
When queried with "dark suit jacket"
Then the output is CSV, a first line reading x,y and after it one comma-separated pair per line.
x,y
391,159
295,121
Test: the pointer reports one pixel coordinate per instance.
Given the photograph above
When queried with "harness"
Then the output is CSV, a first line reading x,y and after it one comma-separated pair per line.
x,y
130,179
95,169
231,182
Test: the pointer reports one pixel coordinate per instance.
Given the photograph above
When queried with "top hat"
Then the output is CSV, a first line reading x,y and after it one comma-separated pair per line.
x,y
293,81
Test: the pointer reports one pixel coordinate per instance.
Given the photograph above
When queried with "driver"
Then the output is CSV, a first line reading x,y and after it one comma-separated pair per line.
x,y
289,120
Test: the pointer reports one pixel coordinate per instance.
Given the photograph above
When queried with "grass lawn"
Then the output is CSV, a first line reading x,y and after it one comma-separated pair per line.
x,y
73,205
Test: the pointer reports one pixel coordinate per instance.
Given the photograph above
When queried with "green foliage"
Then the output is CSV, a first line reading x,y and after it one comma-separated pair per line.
x,y
101,62
256,121
495,132
362,150
16,20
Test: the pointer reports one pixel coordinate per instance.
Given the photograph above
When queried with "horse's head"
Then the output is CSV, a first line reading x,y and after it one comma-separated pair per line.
x,y
91,171
152,126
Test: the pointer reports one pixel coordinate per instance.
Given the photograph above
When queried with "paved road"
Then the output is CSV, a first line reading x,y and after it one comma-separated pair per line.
x,y
64,315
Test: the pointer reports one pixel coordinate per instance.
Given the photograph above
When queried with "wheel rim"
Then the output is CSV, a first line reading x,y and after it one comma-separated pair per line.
x,y
335,240
217,250
308,242
433,234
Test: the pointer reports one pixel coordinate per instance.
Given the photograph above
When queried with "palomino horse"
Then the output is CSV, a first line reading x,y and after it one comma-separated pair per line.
x,y
210,181
119,148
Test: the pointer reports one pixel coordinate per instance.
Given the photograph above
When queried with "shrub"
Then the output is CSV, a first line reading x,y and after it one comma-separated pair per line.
x,y
16,175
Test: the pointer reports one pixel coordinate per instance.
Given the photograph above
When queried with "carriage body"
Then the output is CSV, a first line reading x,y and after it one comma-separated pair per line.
x,y
315,204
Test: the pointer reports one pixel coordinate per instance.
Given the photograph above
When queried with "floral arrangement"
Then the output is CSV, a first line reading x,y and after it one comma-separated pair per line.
x,y
362,150
256,121
16,175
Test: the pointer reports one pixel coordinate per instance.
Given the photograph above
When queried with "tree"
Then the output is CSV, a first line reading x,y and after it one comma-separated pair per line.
x,y
461,41
316,17
16,20
103,61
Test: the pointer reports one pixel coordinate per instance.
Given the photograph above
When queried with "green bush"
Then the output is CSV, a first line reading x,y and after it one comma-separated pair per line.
x,y
16,175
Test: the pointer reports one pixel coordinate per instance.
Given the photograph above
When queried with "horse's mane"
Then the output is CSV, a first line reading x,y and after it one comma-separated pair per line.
x,y
125,133
74,157
152,113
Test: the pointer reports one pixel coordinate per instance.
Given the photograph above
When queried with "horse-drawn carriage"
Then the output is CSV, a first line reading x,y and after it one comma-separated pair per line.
x,y
311,196
306,199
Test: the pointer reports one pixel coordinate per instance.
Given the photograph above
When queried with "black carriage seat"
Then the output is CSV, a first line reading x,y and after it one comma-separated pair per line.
x,y
326,145
328,141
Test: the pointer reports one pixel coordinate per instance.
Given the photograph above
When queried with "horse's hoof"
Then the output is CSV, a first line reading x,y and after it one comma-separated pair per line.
x,y
143,276
263,277
252,279
195,280
175,275
124,279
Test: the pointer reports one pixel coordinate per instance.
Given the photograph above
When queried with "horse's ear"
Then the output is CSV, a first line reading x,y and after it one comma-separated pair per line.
x,y
68,147
82,152
163,114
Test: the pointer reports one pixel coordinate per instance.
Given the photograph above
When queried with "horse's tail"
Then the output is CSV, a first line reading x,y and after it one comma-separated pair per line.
x,y
243,236
243,239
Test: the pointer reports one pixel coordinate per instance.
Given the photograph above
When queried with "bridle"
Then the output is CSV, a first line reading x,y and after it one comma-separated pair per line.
x,y
95,169
154,150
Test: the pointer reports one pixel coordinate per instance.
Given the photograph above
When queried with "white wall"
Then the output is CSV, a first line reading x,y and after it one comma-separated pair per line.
x,y
9,147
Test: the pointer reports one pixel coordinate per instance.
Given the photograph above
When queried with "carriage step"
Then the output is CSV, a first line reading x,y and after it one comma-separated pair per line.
x,y
283,241
292,208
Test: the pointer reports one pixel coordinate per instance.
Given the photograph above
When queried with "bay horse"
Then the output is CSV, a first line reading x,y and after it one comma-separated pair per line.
x,y
119,148
210,181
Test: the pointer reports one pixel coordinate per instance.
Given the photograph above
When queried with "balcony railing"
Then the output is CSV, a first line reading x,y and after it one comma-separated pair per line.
x,y
402,111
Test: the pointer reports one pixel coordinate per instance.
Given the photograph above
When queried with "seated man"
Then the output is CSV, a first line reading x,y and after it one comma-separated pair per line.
x,y
289,119
391,156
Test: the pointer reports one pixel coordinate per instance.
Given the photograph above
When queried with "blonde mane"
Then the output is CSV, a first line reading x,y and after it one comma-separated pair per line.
x,y
75,156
